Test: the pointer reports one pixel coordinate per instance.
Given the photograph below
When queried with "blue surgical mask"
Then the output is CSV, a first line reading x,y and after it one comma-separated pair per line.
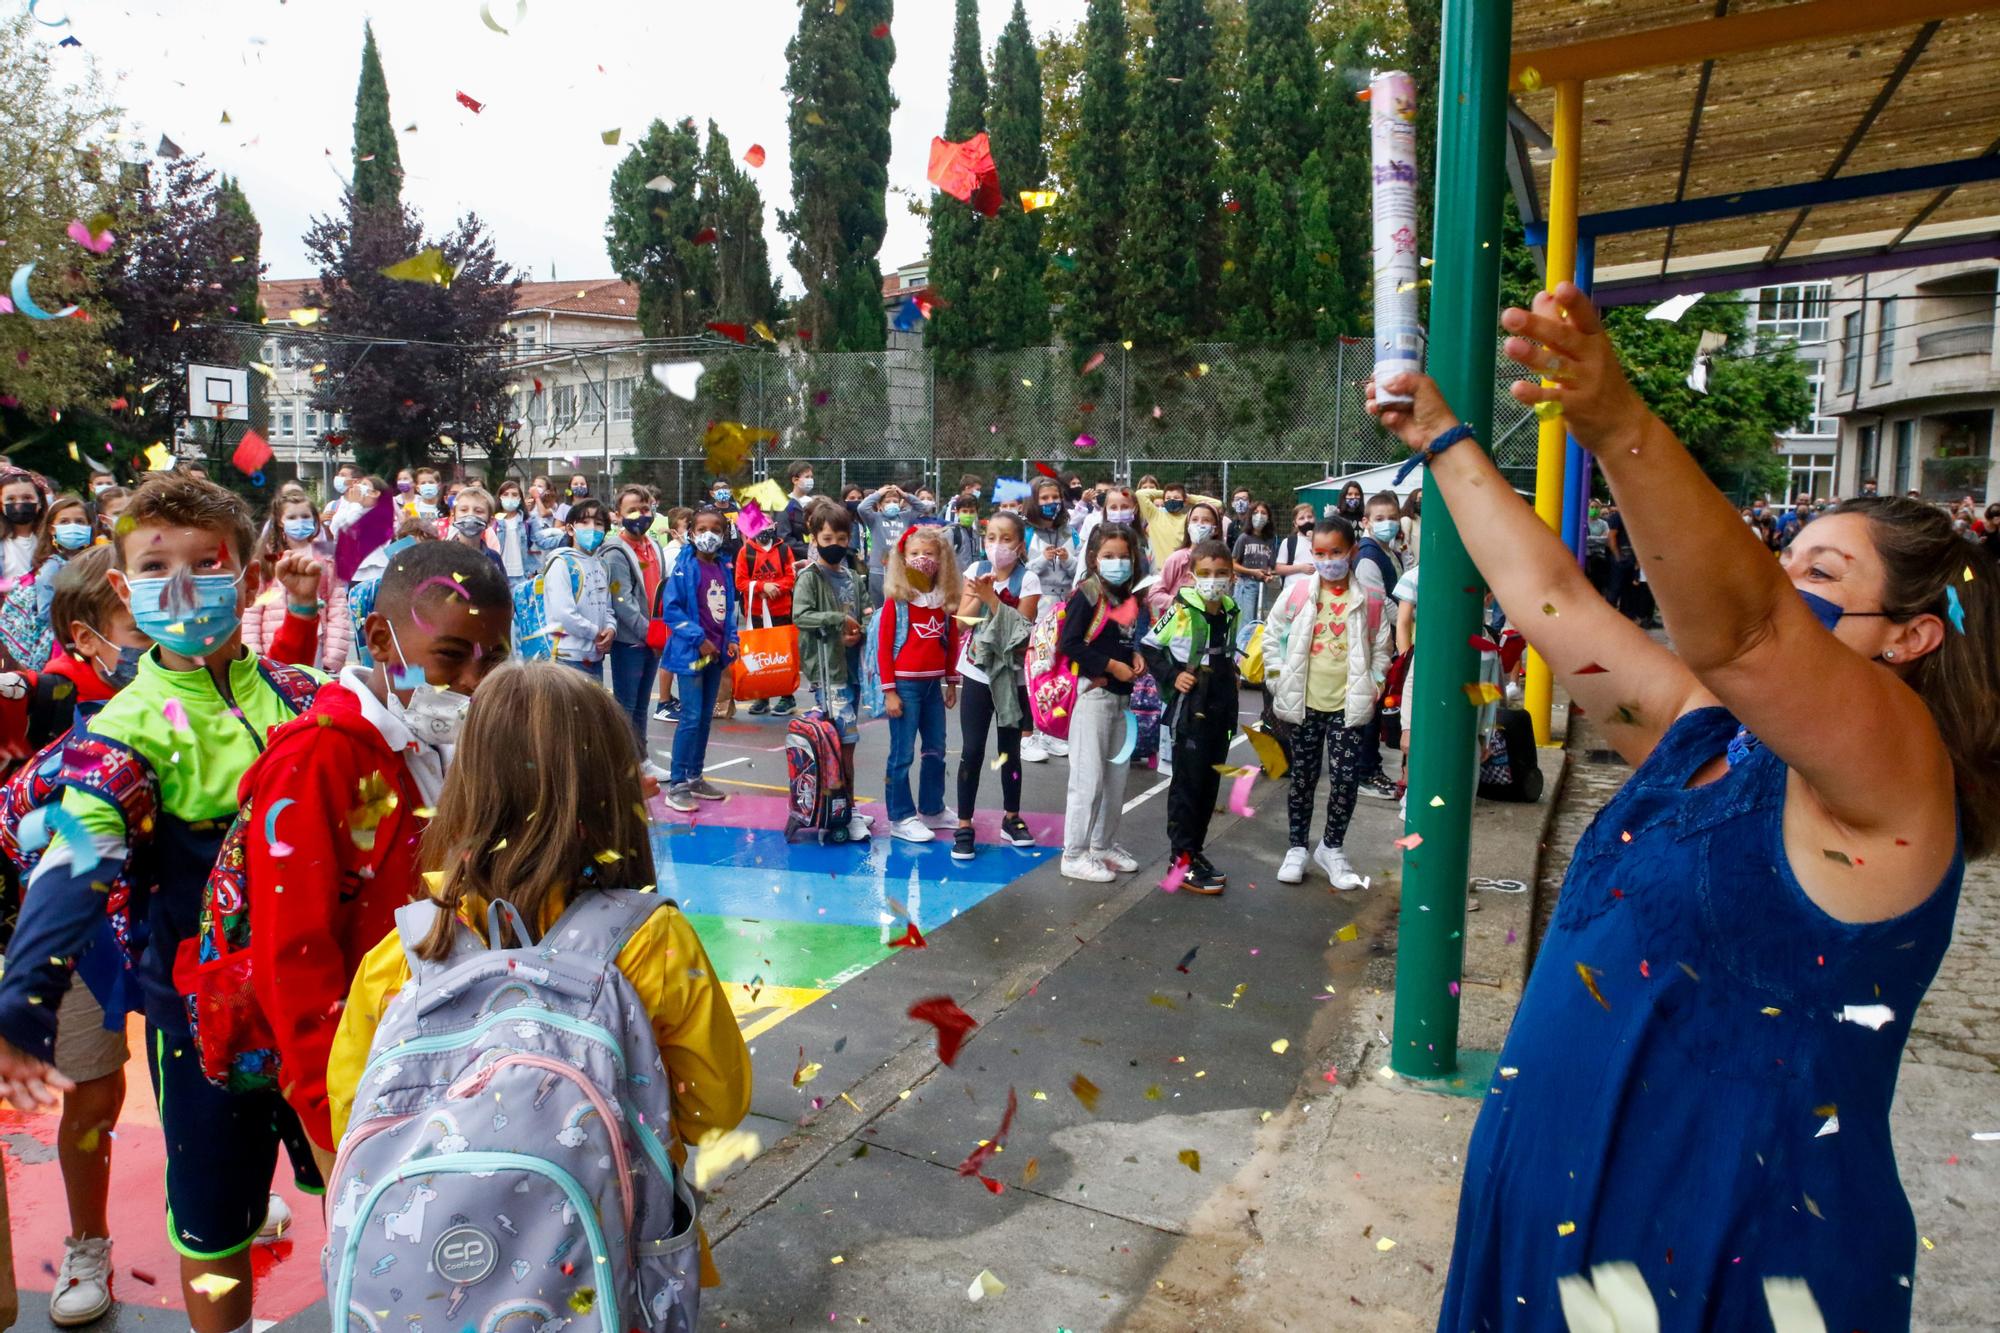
x,y
1828,613
118,677
72,536
1116,570
891,510
589,539
195,618
1384,530
300,529
428,490
548,539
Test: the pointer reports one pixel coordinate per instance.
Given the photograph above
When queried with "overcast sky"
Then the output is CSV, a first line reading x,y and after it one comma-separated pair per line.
x,y
532,163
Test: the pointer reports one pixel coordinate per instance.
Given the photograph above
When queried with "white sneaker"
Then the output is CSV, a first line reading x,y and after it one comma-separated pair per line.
x,y
912,829
1340,872
1292,870
860,829
1056,749
277,1219
1118,859
1032,749
1086,868
653,771
83,1283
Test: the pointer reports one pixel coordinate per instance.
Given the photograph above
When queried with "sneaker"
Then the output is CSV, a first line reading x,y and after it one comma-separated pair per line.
x,y
704,790
277,1219
963,845
759,708
1118,859
83,1283
1340,872
1086,868
1056,749
1015,830
1292,870
940,822
1203,877
860,828
666,711
783,707
680,796
652,770
912,829
1032,750
1379,788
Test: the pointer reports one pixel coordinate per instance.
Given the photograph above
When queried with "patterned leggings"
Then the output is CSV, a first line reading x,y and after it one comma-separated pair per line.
x,y
1323,733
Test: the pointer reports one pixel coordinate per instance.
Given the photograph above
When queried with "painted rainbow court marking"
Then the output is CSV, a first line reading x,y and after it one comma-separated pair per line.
x,y
786,923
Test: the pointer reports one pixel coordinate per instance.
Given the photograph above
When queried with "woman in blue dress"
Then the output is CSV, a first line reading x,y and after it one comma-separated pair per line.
x,y
1695,1092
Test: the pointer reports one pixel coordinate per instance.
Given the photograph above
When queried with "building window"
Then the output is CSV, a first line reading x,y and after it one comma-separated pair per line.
x,y
1871,456
1812,475
621,398
1906,454
285,424
1796,311
1816,426
538,408
1885,342
562,407
1850,350
591,397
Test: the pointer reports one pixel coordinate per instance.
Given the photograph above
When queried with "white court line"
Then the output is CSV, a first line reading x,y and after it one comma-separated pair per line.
x,y
1155,790
706,768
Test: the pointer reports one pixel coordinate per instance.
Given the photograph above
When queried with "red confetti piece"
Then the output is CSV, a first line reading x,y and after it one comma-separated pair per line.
x,y
977,1157
736,333
754,155
1590,669
952,1023
706,236
469,104
251,453
1233,207
1048,472
1096,360
1483,644
145,1277
879,31
1411,843
912,939
992,1186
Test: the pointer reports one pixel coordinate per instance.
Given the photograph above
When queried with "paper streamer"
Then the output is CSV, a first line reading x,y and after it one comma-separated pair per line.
x,y
18,289
1392,123
42,825
486,15
1124,754
679,378
1177,872
750,520
1239,793
271,818
62,22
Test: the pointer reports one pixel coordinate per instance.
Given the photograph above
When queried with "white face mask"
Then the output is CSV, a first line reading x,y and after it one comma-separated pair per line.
x,y
433,716
1211,588
708,543
1332,570
805,485
1199,533
1120,515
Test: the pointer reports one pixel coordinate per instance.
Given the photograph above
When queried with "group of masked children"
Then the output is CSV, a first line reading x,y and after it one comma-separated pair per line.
x,y
216,825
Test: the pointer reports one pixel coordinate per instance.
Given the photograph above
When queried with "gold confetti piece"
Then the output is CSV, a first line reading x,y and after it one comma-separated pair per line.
x,y
1927,1242
213,1285
1153,1093
1384,1245
838,1259
1191,1160
608,857
583,1299
1482,692
1031,1170
1039,1095
1281,1045
984,1285
1001,762
1237,994
1590,975
1348,933
723,1151
1565,1228
1084,1091
424,266
1771,1011
1162,1001
1437,802
1549,609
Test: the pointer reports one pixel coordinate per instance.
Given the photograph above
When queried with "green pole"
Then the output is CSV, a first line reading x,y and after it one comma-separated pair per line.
x,y
1465,292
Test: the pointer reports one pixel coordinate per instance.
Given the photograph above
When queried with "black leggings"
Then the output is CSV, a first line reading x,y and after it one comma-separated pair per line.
x,y
975,715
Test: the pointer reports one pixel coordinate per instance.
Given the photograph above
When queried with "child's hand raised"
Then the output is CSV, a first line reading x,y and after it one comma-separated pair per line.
x,y
299,573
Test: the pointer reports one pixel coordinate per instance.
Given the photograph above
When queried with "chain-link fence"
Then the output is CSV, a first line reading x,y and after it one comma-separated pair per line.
x,y
1215,417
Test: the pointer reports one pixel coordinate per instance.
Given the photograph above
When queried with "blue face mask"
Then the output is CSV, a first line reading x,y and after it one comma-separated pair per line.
x,y
589,539
1051,511
892,510
72,536
127,670
189,614
1116,571
300,529
548,539
1829,614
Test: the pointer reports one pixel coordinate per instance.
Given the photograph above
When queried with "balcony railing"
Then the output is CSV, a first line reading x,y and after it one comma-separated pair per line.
x,y
1965,340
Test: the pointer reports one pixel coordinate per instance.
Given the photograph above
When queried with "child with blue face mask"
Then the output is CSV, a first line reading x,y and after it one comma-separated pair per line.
x,y
1099,637
576,591
294,527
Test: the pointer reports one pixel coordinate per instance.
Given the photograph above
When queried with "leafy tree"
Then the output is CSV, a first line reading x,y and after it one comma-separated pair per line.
x,y
837,78
1092,209
378,166
53,144
1344,272
1171,258
1010,298
1420,61
651,232
1753,393
953,329
739,287
1267,275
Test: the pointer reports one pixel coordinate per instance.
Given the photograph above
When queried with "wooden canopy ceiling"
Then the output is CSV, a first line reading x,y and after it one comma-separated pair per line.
x,y
1803,93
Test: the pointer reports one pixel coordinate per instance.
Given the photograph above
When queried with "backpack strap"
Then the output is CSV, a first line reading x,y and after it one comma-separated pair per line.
x,y
413,927
599,922
292,685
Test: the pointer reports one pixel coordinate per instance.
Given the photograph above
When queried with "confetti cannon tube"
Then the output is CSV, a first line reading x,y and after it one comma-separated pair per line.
x,y
1392,123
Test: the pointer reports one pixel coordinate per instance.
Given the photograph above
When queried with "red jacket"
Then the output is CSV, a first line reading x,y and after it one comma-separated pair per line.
x,y
774,570
322,903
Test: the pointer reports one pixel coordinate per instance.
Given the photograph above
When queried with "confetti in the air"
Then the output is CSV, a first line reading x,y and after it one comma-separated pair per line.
x,y
952,1024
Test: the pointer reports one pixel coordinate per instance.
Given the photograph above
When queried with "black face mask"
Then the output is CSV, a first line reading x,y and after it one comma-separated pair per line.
x,y
833,555
853,507
1074,493
1305,525
1351,507
637,524
22,511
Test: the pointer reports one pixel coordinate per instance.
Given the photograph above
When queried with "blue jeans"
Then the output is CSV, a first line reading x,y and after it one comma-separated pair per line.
x,y
594,670
632,666
922,721
698,690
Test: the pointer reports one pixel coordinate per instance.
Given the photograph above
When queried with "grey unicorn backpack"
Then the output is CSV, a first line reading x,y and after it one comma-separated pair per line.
x,y
506,1155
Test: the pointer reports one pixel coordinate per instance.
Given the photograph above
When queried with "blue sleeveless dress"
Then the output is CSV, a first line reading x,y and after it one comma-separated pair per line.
x,y
1706,1105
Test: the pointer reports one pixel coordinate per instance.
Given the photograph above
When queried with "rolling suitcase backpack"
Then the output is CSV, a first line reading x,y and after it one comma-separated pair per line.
x,y
821,802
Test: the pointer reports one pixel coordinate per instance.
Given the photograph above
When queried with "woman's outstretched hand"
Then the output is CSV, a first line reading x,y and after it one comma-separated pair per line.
x,y
1590,386
1415,423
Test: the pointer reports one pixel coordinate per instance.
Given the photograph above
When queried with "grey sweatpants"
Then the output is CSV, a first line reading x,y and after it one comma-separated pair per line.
x,y
1096,785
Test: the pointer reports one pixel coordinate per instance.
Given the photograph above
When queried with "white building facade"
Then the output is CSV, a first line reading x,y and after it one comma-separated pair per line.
x,y
1796,313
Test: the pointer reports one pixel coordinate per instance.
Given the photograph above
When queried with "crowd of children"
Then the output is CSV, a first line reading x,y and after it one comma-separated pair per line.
x,y
223,723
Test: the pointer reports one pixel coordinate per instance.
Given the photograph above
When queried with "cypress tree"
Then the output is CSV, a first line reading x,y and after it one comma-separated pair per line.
x,y
739,279
1172,257
837,77
650,233
1340,240
1094,211
378,167
1420,61
1011,300
955,325
246,240
1274,132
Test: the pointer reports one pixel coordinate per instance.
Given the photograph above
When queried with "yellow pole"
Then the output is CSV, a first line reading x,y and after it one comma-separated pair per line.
x,y
1568,136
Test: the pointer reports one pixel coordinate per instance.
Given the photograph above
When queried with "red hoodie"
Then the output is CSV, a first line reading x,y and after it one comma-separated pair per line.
x,y
320,905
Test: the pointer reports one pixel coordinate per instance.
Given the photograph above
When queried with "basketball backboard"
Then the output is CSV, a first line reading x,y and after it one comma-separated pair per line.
x,y
218,393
